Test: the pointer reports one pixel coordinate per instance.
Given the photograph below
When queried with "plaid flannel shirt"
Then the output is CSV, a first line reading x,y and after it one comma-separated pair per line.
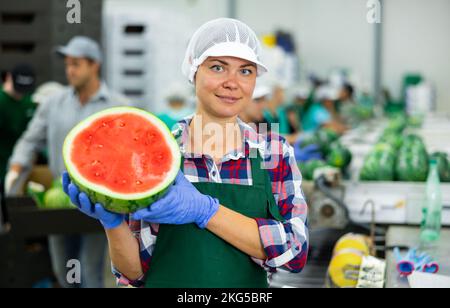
x,y
286,244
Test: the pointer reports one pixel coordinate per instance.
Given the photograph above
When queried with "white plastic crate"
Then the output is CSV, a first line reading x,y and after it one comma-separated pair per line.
x,y
163,45
395,202
132,82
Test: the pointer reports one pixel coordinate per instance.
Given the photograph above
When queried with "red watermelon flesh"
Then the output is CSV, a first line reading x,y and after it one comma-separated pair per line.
x,y
123,157
123,154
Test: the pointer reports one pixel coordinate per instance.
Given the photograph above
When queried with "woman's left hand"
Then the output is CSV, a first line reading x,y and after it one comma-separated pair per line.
x,y
182,204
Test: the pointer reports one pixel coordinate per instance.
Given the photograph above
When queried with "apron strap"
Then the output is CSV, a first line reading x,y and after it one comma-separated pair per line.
x,y
259,174
261,178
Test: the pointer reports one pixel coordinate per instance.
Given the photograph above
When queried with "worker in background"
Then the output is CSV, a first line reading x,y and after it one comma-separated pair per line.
x,y
16,109
276,114
253,113
301,103
53,120
347,103
323,113
178,107
40,96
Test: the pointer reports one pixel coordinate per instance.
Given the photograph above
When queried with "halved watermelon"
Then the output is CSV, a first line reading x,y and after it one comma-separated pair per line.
x,y
125,158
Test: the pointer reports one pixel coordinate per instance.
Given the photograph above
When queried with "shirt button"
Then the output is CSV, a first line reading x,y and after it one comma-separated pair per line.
x,y
214,173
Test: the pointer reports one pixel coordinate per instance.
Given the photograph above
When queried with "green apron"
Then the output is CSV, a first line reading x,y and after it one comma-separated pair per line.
x,y
186,256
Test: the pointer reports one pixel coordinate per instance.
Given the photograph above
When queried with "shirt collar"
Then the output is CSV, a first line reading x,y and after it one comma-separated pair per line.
x,y
101,95
251,140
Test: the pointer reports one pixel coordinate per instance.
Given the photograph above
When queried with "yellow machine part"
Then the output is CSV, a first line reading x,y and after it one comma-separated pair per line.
x,y
347,259
344,268
269,40
355,242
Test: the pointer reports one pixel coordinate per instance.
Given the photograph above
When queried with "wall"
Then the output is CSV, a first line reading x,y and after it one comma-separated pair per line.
x,y
331,33
328,33
417,39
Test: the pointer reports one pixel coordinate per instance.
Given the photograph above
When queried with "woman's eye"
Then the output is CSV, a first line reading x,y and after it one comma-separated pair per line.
x,y
217,68
247,72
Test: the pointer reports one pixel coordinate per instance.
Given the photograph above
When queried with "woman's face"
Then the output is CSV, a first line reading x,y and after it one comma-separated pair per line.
x,y
225,85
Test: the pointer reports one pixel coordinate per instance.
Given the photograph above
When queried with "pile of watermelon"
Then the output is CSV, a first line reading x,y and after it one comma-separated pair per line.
x,y
323,138
335,154
402,159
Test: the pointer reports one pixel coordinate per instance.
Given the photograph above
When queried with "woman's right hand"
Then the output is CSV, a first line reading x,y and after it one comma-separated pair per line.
x,y
108,219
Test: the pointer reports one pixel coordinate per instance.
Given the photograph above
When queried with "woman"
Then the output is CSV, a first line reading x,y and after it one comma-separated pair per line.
x,y
226,220
276,113
322,113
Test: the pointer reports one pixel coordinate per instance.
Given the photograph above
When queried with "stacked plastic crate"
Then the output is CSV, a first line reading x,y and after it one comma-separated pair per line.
x,y
128,51
30,29
144,52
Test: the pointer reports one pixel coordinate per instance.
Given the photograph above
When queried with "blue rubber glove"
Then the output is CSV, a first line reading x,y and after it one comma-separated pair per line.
x,y
183,204
304,154
81,200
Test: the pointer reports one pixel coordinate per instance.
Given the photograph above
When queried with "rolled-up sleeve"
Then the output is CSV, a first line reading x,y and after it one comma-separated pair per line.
x,y
286,243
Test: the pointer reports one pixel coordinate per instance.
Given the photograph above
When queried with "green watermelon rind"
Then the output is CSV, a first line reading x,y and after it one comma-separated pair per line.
x,y
379,165
412,160
339,156
120,206
122,203
307,169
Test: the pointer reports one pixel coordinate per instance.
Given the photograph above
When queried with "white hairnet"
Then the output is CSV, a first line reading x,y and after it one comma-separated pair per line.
x,y
261,91
223,37
301,92
327,92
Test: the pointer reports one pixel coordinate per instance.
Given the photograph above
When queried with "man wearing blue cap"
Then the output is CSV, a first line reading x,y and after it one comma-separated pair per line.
x,y
53,120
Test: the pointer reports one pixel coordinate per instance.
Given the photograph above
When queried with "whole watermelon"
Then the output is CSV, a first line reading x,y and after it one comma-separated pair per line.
x,y
413,142
324,138
395,140
307,169
412,161
397,124
379,165
339,156
55,198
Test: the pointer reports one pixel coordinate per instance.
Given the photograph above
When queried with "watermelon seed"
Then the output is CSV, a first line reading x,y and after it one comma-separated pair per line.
x,y
136,138
97,174
104,124
122,124
100,146
124,182
95,162
138,183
